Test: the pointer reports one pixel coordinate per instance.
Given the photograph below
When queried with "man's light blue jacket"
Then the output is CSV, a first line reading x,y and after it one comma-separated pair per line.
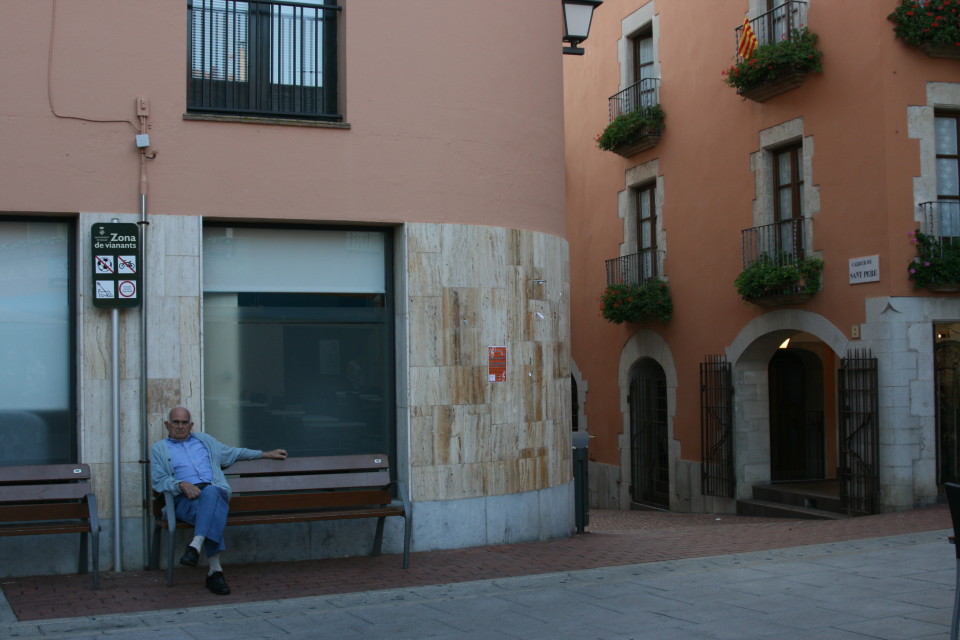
x,y
221,456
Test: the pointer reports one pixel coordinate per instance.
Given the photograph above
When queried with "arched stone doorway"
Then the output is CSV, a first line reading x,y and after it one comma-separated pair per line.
x,y
646,352
764,384
649,453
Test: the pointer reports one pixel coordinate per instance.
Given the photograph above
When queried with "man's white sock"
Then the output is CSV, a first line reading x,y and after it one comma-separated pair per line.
x,y
214,561
197,542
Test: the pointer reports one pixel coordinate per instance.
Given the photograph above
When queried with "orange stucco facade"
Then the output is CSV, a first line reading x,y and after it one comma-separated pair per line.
x,y
863,127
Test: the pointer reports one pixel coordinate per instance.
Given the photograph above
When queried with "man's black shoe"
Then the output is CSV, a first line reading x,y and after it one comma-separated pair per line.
x,y
190,557
217,584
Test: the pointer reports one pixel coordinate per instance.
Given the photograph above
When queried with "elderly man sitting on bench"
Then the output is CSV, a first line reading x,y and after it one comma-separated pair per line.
x,y
190,466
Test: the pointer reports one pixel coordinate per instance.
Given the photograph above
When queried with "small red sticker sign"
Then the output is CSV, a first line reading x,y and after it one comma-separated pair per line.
x,y
497,364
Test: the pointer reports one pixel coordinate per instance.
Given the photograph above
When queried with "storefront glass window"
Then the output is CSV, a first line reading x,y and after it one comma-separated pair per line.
x,y
36,343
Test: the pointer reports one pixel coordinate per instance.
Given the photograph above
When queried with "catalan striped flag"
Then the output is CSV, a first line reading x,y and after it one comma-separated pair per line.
x,y
748,40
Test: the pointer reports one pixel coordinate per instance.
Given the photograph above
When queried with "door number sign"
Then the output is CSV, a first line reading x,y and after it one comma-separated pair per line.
x,y
115,247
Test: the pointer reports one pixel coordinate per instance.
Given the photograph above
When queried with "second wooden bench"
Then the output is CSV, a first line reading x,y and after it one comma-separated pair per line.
x,y
52,498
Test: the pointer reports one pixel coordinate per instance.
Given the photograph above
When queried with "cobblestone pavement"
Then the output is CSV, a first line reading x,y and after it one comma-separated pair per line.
x,y
613,539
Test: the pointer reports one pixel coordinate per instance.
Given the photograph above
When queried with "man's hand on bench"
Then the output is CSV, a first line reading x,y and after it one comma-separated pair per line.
x,y
276,454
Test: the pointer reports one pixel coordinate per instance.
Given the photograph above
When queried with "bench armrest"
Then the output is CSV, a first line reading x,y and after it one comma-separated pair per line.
x,y
404,498
169,512
94,514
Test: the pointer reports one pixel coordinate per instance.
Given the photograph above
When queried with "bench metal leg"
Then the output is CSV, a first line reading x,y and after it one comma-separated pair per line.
x,y
84,550
153,562
154,558
378,539
94,538
95,554
170,523
171,541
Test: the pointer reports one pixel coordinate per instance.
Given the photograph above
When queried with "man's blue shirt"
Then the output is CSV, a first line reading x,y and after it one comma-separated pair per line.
x,y
191,460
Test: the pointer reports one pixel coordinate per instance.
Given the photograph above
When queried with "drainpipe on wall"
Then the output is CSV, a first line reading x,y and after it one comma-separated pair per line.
x,y
143,111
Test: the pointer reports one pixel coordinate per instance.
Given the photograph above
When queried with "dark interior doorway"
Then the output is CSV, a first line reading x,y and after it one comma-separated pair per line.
x,y
796,416
650,459
947,371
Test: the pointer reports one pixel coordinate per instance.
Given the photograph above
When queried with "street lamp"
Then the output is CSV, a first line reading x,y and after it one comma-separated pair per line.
x,y
577,15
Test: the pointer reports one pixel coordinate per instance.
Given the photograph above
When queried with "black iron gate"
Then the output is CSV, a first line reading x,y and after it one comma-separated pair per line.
x,y
650,459
859,471
716,428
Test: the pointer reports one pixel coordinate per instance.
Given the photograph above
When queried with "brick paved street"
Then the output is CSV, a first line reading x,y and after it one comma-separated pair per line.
x,y
613,539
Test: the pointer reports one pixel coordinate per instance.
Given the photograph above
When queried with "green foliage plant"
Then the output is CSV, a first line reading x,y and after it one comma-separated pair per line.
x,y
636,303
797,53
768,277
937,262
929,22
630,127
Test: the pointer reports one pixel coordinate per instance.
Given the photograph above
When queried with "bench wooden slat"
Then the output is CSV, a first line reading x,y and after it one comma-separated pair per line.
x,y
43,511
43,492
316,516
26,528
43,472
325,500
309,464
309,482
310,516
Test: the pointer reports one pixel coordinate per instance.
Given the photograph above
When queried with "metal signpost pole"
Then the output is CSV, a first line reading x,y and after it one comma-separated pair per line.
x,y
116,285
115,404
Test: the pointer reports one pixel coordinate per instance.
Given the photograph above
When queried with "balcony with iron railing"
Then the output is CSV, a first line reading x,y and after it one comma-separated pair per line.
x,y
777,269
937,241
636,119
642,94
778,24
778,57
636,268
941,219
636,290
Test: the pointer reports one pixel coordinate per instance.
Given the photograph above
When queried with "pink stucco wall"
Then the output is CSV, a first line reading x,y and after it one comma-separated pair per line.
x,y
455,111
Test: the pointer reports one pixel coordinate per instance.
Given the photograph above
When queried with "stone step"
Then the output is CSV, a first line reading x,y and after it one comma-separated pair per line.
x,y
767,509
812,496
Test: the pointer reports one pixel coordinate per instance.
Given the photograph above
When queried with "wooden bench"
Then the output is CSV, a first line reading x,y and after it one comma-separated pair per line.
x,y
299,490
52,498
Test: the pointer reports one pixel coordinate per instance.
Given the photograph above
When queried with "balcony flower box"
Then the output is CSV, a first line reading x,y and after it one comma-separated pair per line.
x,y
765,91
933,27
937,264
941,50
943,287
776,67
783,300
633,132
642,143
636,302
772,283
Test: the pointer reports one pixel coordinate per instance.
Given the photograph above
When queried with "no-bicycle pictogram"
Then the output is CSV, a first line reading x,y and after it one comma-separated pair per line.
x,y
126,264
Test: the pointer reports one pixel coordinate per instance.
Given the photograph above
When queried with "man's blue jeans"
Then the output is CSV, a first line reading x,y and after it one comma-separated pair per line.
x,y
208,514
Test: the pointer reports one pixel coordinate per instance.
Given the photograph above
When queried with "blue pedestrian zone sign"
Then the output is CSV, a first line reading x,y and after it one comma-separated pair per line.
x,y
116,265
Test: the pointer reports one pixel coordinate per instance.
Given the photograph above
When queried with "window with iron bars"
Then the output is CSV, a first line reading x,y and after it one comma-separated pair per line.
x,y
276,59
